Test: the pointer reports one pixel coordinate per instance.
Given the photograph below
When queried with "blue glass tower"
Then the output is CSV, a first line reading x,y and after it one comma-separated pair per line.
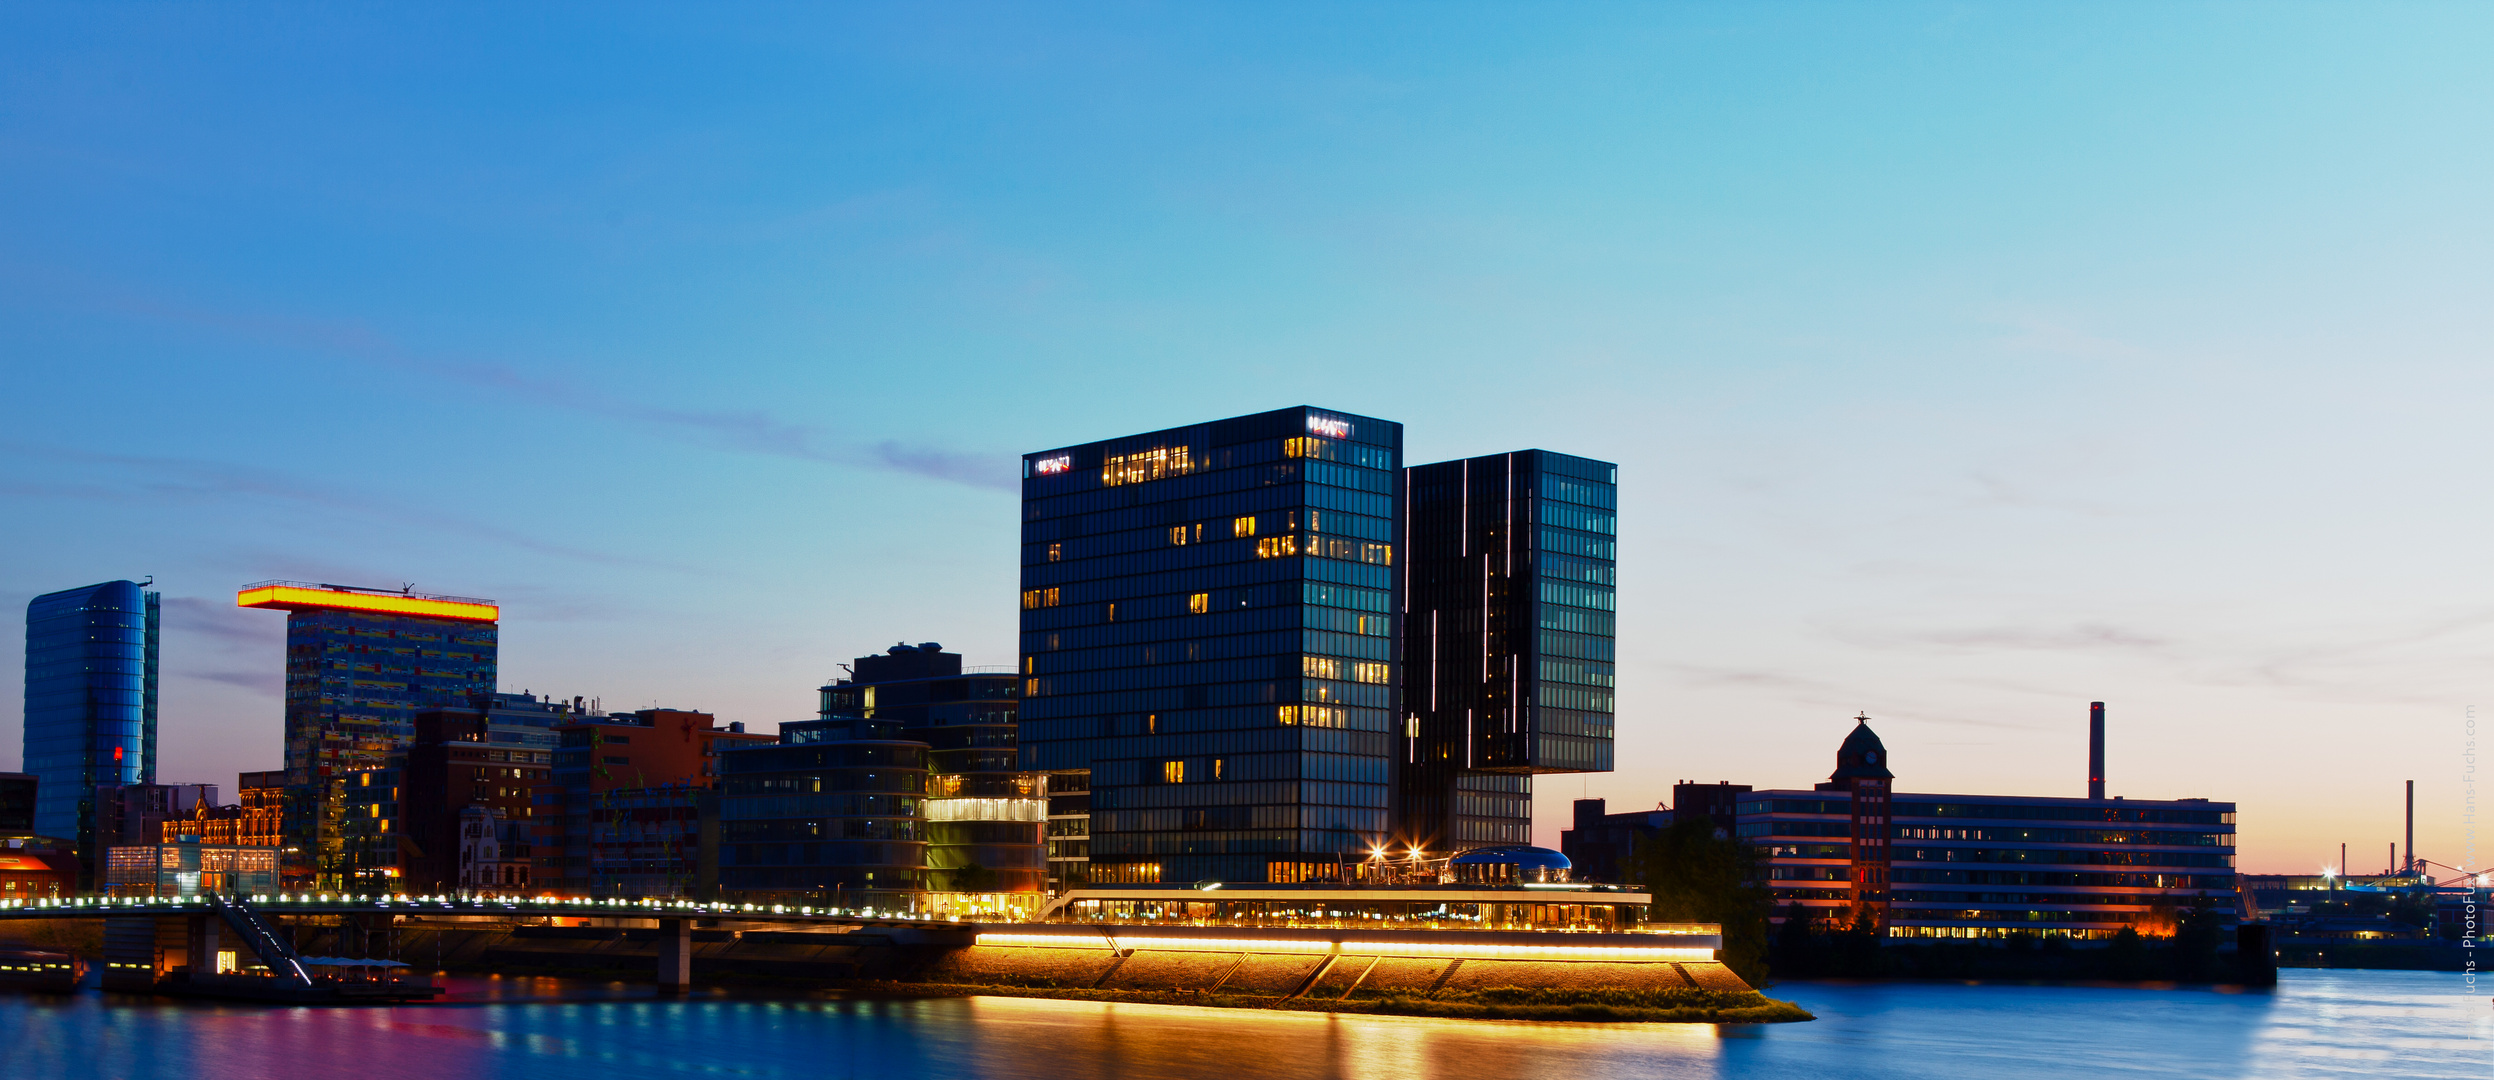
x,y
90,700
1209,628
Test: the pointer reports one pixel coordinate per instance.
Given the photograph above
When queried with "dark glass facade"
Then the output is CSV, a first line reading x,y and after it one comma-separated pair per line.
x,y
1209,631
90,702
1509,660
831,815
984,814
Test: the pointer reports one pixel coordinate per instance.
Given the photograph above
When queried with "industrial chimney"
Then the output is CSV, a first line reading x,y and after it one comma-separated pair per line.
x,y
2095,750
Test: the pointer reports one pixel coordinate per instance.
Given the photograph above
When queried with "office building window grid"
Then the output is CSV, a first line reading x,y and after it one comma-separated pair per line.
x,y
1207,629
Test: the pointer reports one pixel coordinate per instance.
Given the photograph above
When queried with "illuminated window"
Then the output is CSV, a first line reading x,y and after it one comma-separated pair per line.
x,y
1199,603
1380,554
1369,673
1308,448
1374,624
1244,526
1216,768
1151,464
1038,598
1177,535
1055,552
1321,667
1173,772
1029,664
1276,546
1321,716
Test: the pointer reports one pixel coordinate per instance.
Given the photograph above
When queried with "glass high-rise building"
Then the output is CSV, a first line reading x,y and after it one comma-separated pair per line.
x,y
90,702
1209,630
360,664
1508,640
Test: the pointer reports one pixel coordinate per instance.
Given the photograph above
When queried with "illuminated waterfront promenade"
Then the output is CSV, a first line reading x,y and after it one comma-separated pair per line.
x,y
1275,941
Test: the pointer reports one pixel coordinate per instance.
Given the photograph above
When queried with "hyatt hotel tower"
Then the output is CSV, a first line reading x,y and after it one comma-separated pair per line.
x,y
1213,627
1208,627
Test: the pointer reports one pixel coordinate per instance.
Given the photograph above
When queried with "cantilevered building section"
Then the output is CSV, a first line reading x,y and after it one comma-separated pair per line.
x,y
360,664
1208,629
1508,659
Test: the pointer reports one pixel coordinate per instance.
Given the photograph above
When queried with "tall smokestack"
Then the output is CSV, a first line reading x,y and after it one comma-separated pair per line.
x,y
2410,864
2095,750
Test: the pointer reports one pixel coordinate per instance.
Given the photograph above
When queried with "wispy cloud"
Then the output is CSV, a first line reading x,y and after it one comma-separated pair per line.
x,y
752,431
2071,637
130,477
264,682
220,620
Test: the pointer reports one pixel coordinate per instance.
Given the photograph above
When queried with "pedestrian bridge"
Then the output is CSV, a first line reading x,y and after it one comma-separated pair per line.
x,y
150,941
471,906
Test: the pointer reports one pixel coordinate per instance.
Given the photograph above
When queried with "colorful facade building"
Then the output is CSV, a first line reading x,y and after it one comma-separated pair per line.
x,y
360,664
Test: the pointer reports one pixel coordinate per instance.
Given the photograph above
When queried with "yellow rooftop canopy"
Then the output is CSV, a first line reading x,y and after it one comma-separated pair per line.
x,y
306,596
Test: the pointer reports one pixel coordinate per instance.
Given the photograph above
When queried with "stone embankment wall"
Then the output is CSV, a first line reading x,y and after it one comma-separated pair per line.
x,y
1089,964
1317,976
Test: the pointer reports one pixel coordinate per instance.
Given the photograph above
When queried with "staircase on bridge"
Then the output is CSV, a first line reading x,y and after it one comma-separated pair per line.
x,y
265,942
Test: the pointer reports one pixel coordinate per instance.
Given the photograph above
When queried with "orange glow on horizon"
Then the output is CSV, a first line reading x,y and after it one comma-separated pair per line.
x,y
296,598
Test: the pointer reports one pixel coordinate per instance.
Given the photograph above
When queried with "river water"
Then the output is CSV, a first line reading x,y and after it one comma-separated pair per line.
x,y
2315,1024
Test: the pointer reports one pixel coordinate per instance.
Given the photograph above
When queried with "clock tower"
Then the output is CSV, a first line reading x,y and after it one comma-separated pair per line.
x,y
1862,772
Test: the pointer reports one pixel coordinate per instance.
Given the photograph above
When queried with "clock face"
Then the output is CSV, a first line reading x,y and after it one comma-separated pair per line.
x,y
1872,757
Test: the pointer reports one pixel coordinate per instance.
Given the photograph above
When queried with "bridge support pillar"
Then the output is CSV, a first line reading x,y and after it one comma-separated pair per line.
x,y
675,954
131,954
206,941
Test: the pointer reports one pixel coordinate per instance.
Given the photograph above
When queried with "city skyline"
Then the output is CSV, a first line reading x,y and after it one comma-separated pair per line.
x,y
2148,375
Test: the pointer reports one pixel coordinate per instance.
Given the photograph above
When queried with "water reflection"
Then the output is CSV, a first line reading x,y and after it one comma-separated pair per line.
x,y
2409,1024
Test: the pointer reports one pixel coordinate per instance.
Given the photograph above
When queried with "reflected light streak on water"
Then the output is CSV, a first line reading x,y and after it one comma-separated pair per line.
x,y
2318,1024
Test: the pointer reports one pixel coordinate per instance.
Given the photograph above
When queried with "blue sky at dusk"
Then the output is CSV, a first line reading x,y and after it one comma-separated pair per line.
x,y
1964,363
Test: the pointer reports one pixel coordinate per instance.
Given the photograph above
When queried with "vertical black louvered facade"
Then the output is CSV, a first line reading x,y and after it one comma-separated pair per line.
x,y
1508,664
